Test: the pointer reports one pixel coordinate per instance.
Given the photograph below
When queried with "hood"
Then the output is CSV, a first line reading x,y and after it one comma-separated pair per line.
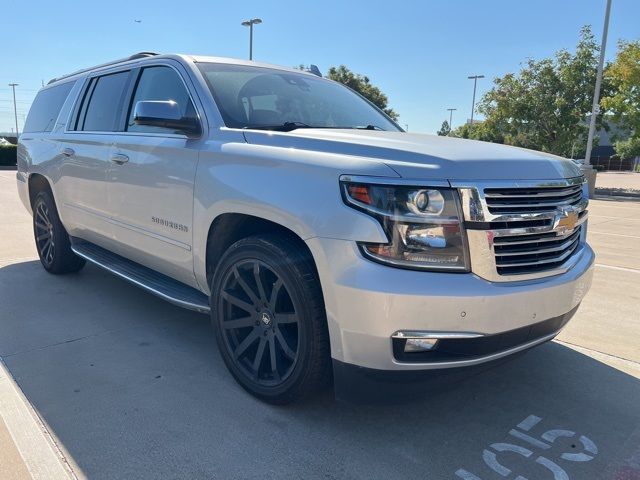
x,y
421,156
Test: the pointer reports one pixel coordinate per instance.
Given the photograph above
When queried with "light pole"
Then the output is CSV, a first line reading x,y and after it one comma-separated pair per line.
x,y
250,23
475,82
595,109
15,110
451,110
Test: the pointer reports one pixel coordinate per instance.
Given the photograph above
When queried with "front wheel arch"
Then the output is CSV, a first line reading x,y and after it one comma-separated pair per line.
x,y
228,228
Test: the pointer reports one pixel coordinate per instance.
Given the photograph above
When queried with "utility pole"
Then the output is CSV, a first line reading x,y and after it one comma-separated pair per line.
x,y
451,110
595,109
250,23
15,110
475,82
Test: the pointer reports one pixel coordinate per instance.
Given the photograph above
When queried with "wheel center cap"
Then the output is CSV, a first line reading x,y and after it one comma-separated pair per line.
x,y
266,319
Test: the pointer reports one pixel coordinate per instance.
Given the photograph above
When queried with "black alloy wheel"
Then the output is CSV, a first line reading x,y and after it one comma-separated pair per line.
x,y
259,322
45,241
268,314
52,240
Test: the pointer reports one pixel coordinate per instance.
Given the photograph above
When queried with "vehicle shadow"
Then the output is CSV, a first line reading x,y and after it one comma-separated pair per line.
x,y
133,387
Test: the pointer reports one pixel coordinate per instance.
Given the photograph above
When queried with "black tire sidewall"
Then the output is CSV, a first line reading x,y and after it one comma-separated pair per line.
x,y
45,198
289,268
64,260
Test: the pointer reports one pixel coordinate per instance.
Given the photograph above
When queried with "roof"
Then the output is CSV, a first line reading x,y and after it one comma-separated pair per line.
x,y
194,58
238,61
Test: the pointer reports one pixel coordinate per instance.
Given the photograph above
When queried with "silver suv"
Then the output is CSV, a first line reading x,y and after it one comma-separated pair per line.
x,y
316,233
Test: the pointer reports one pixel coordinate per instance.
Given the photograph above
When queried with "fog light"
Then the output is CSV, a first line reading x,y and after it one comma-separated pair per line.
x,y
419,344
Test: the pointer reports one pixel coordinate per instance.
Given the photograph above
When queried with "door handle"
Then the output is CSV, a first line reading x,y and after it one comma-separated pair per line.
x,y
119,158
68,152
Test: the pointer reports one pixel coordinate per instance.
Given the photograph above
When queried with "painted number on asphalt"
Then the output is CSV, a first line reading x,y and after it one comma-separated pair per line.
x,y
534,446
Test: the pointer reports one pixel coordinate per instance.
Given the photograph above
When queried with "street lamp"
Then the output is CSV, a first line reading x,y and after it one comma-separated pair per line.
x,y
475,82
15,110
451,110
595,109
250,23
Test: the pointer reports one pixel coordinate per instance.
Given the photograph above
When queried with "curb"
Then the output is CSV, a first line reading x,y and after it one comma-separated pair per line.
x,y
41,456
617,192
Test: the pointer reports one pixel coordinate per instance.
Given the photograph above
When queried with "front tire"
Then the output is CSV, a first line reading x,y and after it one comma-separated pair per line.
x,y
52,240
268,315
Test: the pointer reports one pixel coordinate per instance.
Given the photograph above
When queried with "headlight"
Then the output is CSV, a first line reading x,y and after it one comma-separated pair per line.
x,y
422,224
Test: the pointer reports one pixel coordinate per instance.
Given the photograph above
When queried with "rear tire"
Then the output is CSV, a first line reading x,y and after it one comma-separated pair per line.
x,y
268,315
52,240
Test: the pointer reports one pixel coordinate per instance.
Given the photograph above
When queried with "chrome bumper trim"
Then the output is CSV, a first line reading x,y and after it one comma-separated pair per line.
x,y
480,360
418,334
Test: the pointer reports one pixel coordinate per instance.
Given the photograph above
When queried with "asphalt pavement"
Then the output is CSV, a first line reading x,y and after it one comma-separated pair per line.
x,y
128,386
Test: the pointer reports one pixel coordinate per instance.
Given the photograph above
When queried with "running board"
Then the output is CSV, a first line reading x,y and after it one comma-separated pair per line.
x,y
153,282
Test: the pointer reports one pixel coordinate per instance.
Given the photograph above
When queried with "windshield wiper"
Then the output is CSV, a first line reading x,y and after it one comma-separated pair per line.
x,y
289,126
283,127
369,127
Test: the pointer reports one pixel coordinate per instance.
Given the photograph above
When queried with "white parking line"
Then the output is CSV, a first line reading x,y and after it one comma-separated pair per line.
x,y
33,442
614,234
625,207
593,215
612,267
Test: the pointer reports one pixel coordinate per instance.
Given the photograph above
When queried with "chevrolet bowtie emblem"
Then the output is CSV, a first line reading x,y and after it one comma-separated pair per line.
x,y
565,221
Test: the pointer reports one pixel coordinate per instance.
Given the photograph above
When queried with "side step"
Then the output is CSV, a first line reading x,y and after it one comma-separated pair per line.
x,y
153,282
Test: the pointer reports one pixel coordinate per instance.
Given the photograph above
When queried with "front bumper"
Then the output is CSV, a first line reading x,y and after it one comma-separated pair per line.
x,y
367,302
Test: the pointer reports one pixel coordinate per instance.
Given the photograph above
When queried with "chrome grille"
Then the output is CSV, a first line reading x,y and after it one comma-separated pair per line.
x,y
523,230
501,201
519,254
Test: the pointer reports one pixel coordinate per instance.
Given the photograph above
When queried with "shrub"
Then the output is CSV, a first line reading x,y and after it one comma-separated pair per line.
x,y
629,148
8,154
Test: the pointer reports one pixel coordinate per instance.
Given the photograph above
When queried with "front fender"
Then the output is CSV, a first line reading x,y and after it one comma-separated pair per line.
x,y
296,189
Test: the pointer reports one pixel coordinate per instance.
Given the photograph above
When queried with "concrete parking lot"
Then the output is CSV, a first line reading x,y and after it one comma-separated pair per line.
x,y
128,386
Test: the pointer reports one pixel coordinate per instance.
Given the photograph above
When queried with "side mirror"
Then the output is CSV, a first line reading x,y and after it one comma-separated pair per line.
x,y
166,114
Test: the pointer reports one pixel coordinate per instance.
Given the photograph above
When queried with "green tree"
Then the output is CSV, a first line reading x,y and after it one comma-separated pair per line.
x,y
629,148
362,85
445,129
546,104
486,131
623,99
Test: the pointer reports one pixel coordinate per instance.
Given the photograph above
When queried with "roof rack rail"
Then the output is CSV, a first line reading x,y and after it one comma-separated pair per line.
x,y
135,56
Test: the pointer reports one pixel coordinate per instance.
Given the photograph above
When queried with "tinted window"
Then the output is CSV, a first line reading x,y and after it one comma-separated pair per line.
x,y
46,108
258,97
160,83
105,103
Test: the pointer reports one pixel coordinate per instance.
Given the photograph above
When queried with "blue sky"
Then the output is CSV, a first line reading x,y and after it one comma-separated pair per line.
x,y
418,52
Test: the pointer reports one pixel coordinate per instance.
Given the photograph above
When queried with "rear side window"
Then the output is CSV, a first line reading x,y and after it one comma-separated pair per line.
x,y
46,108
102,104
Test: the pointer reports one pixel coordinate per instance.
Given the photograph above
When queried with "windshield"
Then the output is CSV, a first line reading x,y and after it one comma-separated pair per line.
x,y
266,98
